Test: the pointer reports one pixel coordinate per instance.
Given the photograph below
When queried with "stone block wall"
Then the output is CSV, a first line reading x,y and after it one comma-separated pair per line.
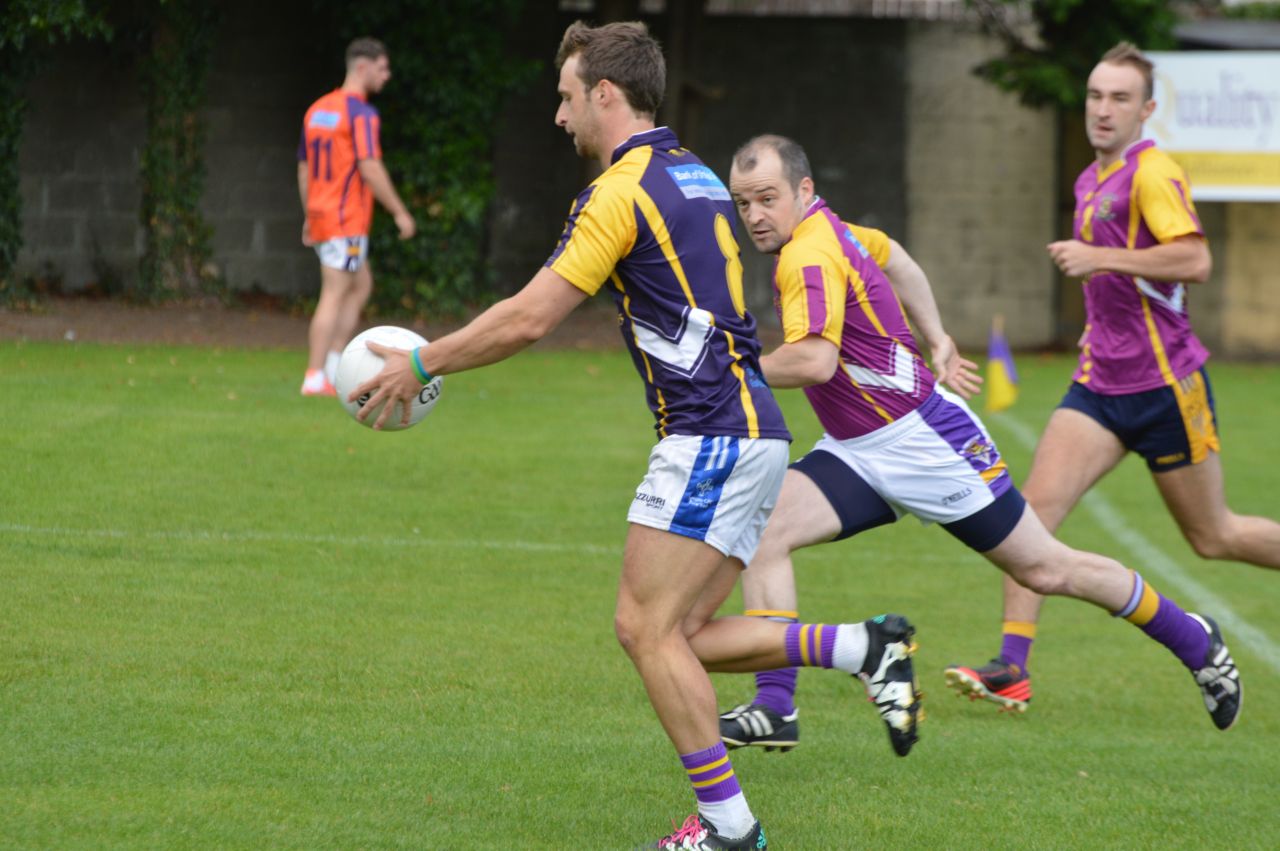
x,y
84,134
1251,289
78,167
980,188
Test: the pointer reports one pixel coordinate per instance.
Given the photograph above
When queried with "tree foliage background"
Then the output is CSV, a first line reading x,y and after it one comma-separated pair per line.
x,y
1072,36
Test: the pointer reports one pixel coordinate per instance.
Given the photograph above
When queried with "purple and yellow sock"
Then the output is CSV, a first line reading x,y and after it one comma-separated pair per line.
x,y
811,645
1163,620
711,774
776,689
1015,647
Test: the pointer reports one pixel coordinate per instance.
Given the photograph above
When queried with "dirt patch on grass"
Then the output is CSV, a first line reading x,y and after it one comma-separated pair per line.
x,y
592,326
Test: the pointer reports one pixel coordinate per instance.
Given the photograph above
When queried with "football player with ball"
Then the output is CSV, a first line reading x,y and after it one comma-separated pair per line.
x,y
657,228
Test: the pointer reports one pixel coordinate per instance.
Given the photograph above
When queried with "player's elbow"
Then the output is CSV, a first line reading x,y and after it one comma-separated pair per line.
x,y
820,365
818,372
1202,268
524,327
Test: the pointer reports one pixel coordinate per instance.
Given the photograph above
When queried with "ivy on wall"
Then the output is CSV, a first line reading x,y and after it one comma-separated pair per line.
x,y
176,263
27,27
450,73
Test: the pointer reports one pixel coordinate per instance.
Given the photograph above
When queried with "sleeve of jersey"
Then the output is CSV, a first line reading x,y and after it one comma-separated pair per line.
x,y
810,290
599,233
1165,200
875,241
365,127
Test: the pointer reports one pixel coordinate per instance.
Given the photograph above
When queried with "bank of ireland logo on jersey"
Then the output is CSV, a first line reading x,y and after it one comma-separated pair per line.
x,y
698,181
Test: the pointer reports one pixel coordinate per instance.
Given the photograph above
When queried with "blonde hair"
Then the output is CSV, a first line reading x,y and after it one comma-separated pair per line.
x,y
1127,53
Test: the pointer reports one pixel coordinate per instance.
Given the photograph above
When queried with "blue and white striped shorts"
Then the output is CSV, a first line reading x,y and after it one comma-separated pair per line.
x,y
720,490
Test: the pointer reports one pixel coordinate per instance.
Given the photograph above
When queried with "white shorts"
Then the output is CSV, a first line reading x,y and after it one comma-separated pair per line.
x,y
937,462
720,490
347,253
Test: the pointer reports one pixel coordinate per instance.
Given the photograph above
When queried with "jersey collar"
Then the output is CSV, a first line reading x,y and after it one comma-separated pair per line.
x,y
1128,153
816,206
658,137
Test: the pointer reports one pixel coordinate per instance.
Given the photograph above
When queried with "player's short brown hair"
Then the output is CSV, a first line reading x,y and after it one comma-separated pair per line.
x,y
1127,53
365,48
795,162
624,54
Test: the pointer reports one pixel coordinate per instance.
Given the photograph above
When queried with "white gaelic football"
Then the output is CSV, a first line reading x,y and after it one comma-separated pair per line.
x,y
358,365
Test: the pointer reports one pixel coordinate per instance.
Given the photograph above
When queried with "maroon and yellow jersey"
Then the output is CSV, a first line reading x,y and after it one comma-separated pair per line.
x,y
1138,336
828,283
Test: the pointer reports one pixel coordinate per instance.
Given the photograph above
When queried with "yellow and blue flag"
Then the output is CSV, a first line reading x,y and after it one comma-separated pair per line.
x,y
1002,378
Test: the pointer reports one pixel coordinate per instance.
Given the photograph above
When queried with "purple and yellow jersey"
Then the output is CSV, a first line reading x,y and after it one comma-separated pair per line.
x,y
1137,334
338,131
828,283
657,227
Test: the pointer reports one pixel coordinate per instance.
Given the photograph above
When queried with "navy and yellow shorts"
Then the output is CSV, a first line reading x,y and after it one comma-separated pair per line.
x,y
1171,427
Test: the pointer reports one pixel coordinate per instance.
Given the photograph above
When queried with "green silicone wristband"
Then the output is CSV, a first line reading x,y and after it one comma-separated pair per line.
x,y
418,369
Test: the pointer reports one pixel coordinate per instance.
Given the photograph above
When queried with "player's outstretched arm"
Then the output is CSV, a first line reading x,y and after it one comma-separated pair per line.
x,y
374,173
809,360
912,287
504,329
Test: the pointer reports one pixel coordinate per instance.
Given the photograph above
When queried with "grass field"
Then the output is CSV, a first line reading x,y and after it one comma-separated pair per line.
x,y
231,618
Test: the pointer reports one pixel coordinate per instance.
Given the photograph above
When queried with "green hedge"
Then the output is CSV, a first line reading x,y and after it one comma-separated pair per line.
x,y
450,74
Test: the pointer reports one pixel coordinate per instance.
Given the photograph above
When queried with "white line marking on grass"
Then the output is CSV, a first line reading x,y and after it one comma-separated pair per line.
x,y
197,535
1152,559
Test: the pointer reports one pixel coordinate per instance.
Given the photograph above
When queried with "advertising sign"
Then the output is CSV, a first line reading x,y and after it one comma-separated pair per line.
x,y
1218,114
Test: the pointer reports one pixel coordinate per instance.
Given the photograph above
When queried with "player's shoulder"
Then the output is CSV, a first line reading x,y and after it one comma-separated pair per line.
x,y
813,243
325,113
868,236
620,180
1154,163
359,106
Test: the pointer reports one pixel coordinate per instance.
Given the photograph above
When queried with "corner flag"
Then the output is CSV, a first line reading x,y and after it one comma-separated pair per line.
x,y
1002,378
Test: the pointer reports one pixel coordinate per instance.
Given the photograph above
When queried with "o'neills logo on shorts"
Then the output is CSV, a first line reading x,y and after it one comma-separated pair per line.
x,y
655,503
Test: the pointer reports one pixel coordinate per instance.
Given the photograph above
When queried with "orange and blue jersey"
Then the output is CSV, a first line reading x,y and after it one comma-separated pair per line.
x,y
338,131
828,283
657,229
1137,334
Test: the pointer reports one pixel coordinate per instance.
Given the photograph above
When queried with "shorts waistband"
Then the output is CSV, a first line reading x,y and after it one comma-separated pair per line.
x,y
898,429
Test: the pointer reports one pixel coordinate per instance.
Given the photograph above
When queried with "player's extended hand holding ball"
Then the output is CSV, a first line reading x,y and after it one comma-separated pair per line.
x,y
378,367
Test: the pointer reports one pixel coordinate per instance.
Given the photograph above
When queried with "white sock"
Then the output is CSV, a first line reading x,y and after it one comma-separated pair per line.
x,y
331,365
850,651
732,818
313,380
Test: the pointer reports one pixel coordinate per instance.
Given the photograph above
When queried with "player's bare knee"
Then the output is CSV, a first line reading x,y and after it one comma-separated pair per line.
x,y
635,631
623,628
1211,543
1046,578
